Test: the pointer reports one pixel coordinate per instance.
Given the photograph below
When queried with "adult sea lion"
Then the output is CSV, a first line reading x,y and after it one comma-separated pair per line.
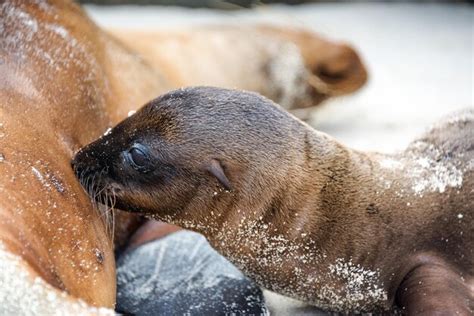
x,y
63,82
298,212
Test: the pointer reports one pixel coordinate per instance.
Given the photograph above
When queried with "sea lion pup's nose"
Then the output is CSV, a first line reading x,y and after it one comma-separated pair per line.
x,y
84,164
78,166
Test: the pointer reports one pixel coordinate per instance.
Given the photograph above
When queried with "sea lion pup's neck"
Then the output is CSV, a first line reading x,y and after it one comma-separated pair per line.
x,y
288,224
327,181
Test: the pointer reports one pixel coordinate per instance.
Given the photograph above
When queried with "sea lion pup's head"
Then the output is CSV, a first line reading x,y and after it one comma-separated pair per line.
x,y
191,148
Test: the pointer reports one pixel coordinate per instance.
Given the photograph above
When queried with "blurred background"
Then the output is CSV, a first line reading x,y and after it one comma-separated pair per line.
x,y
229,4
419,56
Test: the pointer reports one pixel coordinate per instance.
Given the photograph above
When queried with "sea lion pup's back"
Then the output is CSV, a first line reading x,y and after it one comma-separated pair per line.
x,y
453,135
439,168
294,209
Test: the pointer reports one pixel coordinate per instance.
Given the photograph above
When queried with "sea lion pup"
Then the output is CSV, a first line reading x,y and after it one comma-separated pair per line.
x,y
298,212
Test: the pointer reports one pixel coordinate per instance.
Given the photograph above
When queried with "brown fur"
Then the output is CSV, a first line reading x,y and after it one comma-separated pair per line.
x,y
298,212
63,82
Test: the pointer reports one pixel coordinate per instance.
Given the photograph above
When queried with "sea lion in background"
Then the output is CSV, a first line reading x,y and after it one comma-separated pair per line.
x,y
63,82
292,74
295,210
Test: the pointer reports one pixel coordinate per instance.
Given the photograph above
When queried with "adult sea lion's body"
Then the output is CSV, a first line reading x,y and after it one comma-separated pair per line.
x,y
63,82
297,211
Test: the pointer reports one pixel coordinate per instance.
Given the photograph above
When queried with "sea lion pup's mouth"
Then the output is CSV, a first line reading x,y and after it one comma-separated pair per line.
x,y
103,195
92,177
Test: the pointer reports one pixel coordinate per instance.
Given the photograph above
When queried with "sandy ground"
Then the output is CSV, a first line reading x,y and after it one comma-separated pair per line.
x,y
419,57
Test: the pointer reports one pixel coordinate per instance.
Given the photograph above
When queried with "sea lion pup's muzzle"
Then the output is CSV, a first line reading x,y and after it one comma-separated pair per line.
x,y
91,170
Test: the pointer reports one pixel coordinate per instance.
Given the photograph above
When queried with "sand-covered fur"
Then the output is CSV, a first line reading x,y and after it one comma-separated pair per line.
x,y
297,211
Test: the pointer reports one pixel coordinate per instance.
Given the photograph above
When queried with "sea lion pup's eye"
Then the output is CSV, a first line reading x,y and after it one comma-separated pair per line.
x,y
139,158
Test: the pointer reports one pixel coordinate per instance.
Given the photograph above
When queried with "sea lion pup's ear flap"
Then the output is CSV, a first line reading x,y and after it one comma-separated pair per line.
x,y
215,168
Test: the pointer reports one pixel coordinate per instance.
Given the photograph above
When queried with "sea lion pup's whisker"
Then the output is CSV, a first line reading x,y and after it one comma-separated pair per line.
x,y
96,181
109,203
93,183
102,196
91,188
92,193
346,230
102,208
81,179
100,191
89,185
110,210
105,210
113,200
84,180
96,189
